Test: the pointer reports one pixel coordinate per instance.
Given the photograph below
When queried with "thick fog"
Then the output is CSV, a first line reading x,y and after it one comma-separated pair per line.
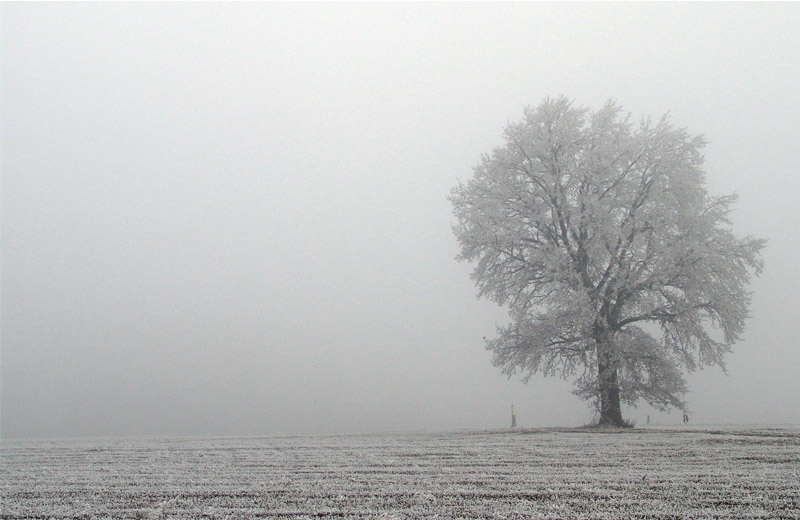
x,y
232,219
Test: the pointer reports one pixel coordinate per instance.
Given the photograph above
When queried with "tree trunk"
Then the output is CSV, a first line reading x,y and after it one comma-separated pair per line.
x,y
607,365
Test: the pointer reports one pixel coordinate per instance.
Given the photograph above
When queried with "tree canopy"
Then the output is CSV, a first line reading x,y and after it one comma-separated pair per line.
x,y
616,265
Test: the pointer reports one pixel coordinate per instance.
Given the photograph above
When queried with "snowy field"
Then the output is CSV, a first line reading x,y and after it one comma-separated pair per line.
x,y
643,473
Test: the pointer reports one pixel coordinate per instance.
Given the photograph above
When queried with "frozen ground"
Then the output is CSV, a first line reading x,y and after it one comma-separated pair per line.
x,y
643,473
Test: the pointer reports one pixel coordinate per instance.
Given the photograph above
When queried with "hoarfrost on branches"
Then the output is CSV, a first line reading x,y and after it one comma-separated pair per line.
x,y
588,227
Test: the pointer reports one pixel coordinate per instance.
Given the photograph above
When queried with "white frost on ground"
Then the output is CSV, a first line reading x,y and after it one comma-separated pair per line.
x,y
643,473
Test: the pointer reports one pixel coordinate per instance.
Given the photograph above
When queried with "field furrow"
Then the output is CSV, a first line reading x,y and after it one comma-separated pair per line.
x,y
645,474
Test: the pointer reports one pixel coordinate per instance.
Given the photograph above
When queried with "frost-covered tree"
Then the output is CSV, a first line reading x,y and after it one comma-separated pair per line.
x,y
617,267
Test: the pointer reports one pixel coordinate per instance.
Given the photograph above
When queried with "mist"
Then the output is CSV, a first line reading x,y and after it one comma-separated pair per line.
x,y
232,219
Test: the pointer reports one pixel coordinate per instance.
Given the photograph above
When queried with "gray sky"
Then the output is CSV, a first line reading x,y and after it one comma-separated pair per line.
x,y
232,218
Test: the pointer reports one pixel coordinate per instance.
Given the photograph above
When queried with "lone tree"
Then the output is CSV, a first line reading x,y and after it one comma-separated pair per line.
x,y
616,265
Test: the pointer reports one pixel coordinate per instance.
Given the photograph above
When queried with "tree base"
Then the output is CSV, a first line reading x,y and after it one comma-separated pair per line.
x,y
606,422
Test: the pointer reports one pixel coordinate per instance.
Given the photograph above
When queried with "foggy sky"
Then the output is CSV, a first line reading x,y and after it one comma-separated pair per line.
x,y
232,218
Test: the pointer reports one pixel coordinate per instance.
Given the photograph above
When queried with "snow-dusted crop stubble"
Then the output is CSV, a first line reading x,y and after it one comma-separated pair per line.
x,y
509,474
